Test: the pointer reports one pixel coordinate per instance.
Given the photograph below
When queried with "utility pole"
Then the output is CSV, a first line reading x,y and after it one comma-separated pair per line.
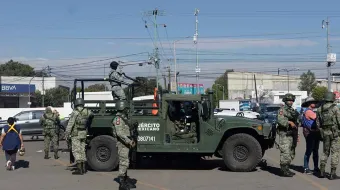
x,y
168,70
155,56
289,70
331,58
198,70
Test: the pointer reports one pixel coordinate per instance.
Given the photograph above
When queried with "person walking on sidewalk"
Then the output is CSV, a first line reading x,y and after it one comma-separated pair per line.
x,y
11,140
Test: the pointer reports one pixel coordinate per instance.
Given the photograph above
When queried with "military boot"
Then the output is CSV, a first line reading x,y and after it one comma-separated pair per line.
x,y
322,171
123,184
333,174
84,168
130,182
79,170
56,155
285,172
46,155
289,172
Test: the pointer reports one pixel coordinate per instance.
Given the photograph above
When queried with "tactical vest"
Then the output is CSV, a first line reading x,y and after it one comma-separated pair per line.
x,y
81,119
49,121
326,117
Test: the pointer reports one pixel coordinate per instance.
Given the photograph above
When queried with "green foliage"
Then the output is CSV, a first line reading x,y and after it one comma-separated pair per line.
x,y
217,87
54,97
307,82
146,87
318,92
95,88
14,68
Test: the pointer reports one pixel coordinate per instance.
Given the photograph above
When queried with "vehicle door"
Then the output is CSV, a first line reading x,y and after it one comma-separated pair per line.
x,y
35,126
23,120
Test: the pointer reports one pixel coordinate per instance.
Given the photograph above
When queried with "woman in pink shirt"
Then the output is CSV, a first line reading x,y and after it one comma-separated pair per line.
x,y
311,134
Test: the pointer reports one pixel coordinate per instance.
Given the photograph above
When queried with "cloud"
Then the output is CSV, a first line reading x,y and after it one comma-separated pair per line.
x,y
239,43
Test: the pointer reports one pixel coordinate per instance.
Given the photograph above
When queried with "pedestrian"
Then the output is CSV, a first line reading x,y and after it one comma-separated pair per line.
x,y
121,131
76,130
116,84
311,134
50,121
328,119
287,120
11,140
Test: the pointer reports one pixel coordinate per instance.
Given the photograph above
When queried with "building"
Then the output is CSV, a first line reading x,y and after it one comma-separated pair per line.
x,y
17,92
241,84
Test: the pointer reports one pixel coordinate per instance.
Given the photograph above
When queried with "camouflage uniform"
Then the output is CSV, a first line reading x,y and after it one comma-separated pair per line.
x,y
329,123
116,87
121,131
76,129
50,121
286,119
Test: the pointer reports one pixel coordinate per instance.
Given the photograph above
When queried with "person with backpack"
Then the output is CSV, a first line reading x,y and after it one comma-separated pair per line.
x,y
311,134
11,141
328,120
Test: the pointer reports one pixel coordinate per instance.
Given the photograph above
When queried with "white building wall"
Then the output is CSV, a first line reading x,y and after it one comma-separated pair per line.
x,y
49,82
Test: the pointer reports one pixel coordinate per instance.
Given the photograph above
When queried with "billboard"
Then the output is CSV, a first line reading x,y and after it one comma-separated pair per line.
x,y
18,88
189,88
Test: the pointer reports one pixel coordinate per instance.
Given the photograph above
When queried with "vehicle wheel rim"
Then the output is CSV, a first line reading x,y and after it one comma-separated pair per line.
x,y
103,153
241,153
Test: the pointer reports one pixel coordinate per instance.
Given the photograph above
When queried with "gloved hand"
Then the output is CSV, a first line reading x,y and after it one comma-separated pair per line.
x,y
132,144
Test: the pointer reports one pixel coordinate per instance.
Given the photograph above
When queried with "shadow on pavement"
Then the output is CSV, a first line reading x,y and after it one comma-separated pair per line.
x,y
271,169
297,168
22,164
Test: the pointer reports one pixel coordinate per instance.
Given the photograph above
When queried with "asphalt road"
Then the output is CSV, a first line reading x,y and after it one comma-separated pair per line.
x,y
37,173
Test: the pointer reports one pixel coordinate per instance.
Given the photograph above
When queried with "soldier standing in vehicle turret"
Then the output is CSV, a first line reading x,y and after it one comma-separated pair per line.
x,y
77,131
116,86
121,131
328,119
287,121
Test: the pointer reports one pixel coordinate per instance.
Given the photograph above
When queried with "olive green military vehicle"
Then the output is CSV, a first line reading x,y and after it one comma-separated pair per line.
x,y
241,142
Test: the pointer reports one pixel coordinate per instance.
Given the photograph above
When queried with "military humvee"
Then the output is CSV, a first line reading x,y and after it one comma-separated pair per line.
x,y
241,142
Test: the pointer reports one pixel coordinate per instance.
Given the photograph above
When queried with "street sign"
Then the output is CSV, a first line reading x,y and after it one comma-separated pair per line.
x,y
331,57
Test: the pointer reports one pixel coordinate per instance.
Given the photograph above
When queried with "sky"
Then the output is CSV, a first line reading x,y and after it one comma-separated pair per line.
x,y
78,39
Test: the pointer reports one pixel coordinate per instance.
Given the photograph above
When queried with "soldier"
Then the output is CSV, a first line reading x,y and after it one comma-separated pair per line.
x,y
116,87
328,119
121,131
77,131
287,121
50,121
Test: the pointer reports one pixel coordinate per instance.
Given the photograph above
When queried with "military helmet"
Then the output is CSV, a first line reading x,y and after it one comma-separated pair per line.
x,y
114,64
121,105
329,97
79,102
288,97
22,151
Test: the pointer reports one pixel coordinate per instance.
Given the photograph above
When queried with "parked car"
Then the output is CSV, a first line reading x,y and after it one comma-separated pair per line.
x,y
29,123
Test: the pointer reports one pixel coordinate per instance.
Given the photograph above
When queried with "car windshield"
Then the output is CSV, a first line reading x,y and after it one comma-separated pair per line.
x,y
272,109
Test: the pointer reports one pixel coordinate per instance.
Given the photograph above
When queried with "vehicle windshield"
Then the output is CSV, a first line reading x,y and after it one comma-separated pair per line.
x,y
272,109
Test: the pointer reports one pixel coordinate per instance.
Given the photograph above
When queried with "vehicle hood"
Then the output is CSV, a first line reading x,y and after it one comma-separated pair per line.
x,y
237,119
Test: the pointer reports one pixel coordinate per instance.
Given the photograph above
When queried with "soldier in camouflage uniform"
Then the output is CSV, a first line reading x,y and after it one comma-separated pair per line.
x,y
50,121
328,119
77,131
287,120
116,87
121,131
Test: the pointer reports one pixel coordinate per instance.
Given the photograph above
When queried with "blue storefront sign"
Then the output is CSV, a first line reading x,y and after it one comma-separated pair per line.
x,y
245,105
189,88
18,88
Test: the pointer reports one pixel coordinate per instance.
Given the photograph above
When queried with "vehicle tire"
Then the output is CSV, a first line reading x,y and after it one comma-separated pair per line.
x,y
102,153
241,152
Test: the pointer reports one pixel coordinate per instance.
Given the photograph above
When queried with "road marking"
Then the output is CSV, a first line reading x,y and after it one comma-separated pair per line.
x,y
314,183
110,175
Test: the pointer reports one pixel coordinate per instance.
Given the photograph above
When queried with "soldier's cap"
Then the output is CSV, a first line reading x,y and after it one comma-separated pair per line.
x,y
308,101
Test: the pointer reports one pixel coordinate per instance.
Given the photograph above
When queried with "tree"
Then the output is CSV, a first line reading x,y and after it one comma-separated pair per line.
x,y
15,68
54,97
307,82
318,92
95,88
217,87
145,87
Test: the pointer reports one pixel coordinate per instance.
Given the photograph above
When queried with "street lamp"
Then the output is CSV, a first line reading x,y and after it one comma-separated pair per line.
x,y
175,60
29,92
289,70
222,87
